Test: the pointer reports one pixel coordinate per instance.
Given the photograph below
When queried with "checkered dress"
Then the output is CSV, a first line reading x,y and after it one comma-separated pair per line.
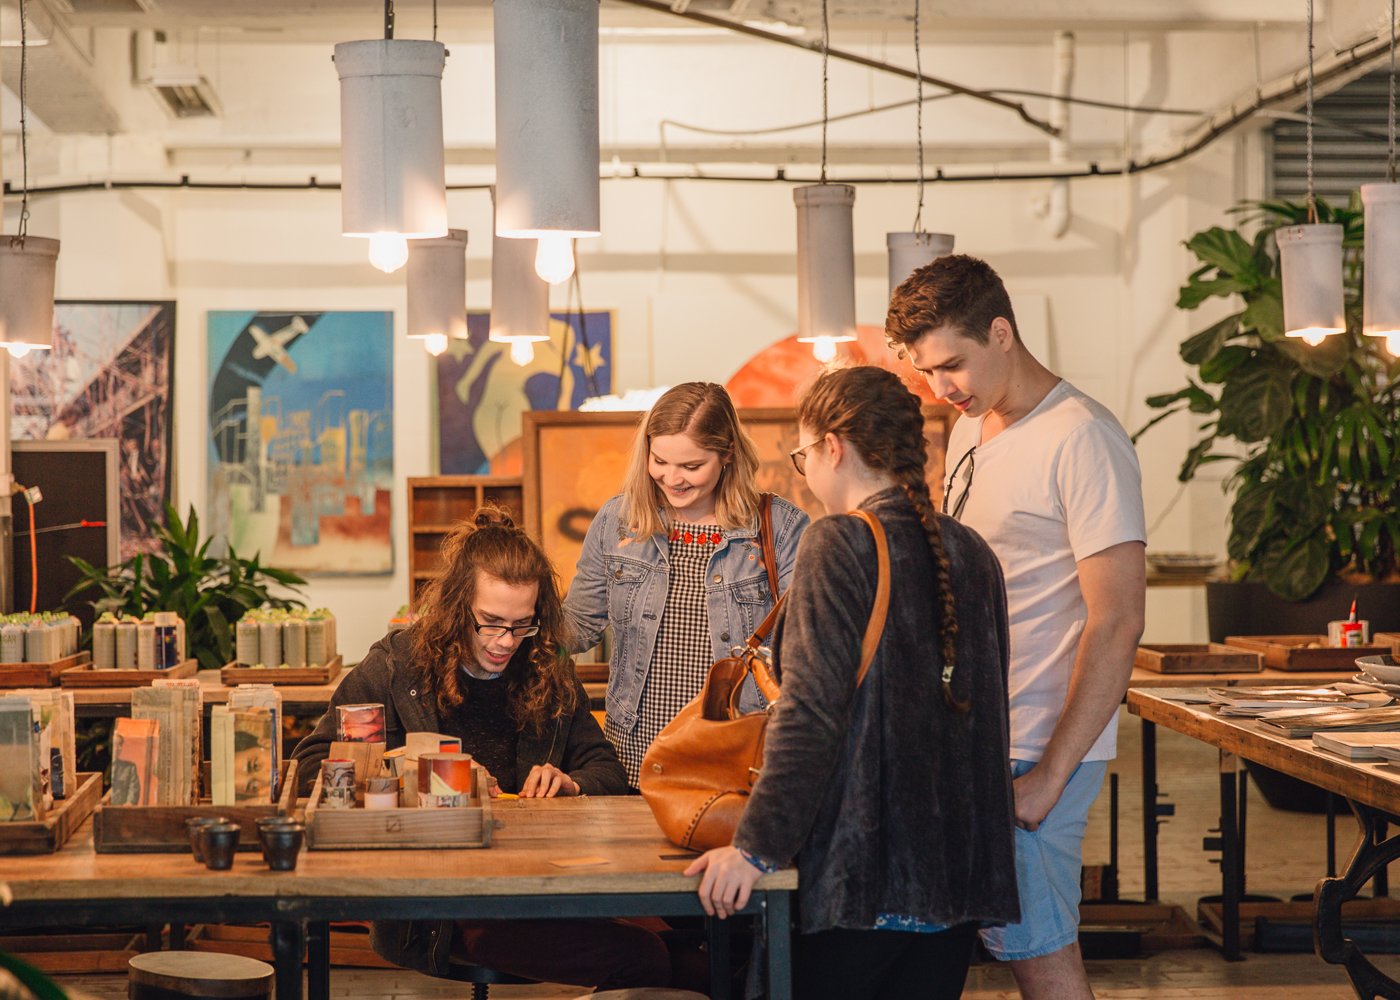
x,y
683,654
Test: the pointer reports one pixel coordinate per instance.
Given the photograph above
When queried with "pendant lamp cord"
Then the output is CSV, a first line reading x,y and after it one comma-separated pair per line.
x,y
434,20
1312,194
19,238
1391,118
388,18
826,51
919,118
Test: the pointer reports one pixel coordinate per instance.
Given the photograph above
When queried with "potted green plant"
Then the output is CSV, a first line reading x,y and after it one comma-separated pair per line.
x,y
1312,434
209,592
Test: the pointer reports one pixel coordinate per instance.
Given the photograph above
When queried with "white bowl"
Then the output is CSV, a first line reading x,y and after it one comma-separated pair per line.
x,y
1383,668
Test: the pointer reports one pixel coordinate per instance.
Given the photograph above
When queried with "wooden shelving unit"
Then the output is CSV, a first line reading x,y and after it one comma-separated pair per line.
x,y
436,503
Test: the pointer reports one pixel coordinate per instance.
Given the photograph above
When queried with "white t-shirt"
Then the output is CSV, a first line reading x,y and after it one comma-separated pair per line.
x,y
1058,485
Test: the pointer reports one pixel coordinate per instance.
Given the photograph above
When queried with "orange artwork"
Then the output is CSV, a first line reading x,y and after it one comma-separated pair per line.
x,y
776,375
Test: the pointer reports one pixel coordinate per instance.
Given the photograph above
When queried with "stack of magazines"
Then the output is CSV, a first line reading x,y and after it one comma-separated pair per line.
x,y
1295,725
1360,746
1260,702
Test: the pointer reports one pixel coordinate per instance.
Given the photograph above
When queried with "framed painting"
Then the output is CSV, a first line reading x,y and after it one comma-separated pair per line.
x,y
576,462
107,376
482,394
301,443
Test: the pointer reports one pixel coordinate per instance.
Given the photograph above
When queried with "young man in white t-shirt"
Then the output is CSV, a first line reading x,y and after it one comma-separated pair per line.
x,y
1050,479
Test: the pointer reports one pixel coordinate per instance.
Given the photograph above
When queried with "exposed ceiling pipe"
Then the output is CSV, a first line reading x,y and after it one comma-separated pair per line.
x,y
1057,216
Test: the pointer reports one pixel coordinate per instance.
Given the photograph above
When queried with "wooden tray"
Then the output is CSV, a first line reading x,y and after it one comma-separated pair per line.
x,y
232,674
1291,652
1391,639
90,677
161,829
1197,658
45,674
399,829
49,834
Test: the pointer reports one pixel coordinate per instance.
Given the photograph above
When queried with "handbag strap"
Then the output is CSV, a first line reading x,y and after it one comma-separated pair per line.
x,y
765,539
767,684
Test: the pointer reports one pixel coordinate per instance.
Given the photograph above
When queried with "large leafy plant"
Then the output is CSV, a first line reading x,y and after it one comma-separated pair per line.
x,y
1313,431
209,592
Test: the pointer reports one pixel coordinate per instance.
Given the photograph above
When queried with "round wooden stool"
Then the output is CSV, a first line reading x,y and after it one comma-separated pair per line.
x,y
645,993
195,975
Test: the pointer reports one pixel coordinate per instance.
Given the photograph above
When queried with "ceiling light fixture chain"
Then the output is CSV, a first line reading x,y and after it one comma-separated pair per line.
x,y
19,238
434,20
919,119
826,53
1390,120
1312,194
388,18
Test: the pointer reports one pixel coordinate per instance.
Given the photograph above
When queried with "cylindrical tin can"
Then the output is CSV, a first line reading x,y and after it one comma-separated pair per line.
x,y
245,635
444,780
381,793
38,643
270,644
294,642
126,645
360,723
104,645
337,783
317,647
146,646
12,643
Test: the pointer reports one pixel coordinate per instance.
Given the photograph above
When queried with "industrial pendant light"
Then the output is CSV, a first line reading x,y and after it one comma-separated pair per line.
x,y
437,290
547,127
28,264
1381,296
910,251
519,299
1310,257
826,256
393,183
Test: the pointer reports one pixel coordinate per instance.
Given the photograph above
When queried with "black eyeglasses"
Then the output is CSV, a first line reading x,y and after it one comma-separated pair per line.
x,y
971,463
799,456
496,631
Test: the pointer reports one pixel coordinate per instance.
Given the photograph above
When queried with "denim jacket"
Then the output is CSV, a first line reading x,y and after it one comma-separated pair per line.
x,y
623,582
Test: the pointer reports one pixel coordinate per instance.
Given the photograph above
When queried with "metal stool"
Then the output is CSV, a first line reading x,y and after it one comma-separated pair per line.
x,y
481,978
197,975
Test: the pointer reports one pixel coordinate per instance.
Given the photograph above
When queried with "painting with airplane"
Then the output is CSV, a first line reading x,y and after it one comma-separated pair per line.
x,y
301,450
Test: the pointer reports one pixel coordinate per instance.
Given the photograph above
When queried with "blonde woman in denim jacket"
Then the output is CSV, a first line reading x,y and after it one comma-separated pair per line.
x,y
675,566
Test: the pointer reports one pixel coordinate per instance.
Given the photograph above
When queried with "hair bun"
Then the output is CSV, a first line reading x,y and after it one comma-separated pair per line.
x,y
492,516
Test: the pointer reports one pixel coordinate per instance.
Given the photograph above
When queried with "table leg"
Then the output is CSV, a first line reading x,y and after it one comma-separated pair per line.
x,y
777,925
318,960
1373,853
1229,859
288,939
1149,811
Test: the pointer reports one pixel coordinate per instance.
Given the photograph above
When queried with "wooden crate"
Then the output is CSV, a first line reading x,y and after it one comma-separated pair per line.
x,y
90,677
161,829
75,950
231,674
1389,639
402,828
1292,652
47,835
1197,658
38,675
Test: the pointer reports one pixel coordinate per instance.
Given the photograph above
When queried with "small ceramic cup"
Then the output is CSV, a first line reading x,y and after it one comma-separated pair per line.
x,y
219,841
268,823
195,825
281,845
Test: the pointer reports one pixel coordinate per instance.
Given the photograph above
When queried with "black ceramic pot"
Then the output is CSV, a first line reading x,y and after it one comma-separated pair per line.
x,y
196,825
219,841
281,845
269,823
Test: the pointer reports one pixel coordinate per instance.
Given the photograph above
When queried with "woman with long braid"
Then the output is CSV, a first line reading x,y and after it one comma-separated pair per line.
x,y
891,793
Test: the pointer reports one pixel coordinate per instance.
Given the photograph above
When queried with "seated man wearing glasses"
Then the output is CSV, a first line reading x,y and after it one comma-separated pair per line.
x,y
1049,479
485,663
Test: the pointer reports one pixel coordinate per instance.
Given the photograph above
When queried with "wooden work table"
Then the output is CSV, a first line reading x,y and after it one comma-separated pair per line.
x,y
633,871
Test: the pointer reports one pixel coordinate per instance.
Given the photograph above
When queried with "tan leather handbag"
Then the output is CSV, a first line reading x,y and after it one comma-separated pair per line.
x,y
698,772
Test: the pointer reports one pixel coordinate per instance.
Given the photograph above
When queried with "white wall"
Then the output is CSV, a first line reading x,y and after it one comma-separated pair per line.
x,y
700,274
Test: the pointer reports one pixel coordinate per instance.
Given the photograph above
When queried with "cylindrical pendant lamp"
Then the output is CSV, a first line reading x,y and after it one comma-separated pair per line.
x,y
27,272
519,299
1310,265
826,267
1381,301
393,185
910,251
547,127
437,290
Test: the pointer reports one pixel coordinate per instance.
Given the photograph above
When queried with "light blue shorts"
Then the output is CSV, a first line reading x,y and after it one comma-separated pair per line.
x,y
1048,865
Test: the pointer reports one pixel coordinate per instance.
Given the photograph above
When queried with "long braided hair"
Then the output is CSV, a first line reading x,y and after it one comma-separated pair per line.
x,y
871,410
538,676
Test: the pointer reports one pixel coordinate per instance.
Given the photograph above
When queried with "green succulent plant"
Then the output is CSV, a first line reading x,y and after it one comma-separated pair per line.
x,y
1313,432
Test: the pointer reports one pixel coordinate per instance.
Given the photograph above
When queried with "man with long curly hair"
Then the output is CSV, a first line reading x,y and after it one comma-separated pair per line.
x,y
485,663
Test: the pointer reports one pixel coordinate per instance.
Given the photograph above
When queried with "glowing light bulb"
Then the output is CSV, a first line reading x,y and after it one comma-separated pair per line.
x,y
824,349
435,343
522,352
554,258
17,350
1312,337
1392,344
388,251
